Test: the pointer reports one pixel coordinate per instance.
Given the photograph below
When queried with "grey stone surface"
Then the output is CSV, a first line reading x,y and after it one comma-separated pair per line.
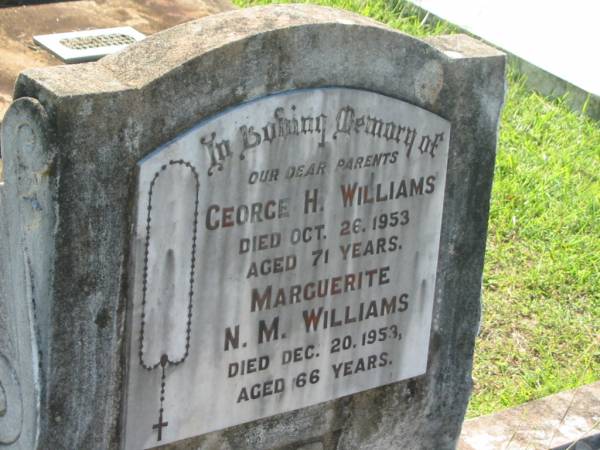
x,y
67,214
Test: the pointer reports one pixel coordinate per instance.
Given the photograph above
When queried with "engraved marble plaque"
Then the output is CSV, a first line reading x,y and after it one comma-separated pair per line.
x,y
284,255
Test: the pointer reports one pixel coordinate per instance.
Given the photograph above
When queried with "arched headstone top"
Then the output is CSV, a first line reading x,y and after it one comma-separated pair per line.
x,y
269,49
200,68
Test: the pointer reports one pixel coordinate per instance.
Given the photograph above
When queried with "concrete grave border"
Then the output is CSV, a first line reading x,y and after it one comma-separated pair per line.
x,y
66,212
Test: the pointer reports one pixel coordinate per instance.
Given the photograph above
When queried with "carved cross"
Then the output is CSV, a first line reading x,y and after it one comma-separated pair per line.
x,y
160,425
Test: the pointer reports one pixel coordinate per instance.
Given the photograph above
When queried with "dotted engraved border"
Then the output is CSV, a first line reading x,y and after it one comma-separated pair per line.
x,y
164,360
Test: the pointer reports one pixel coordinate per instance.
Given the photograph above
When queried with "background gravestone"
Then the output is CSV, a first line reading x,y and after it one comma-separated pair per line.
x,y
88,147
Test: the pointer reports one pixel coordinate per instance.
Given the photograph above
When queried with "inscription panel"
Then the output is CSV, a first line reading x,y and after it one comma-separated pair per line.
x,y
284,254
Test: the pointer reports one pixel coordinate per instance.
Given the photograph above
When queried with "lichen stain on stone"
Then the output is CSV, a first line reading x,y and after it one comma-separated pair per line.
x,y
44,172
429,82
413,387
3,405
102,318
87,283
26,138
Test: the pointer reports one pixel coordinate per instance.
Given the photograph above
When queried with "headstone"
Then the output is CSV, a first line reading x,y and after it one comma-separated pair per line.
x,y
263,229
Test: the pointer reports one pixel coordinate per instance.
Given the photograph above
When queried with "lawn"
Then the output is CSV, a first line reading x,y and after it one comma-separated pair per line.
x,y
541,299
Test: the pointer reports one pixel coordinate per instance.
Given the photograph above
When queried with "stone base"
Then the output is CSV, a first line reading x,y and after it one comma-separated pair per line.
x,y
555,422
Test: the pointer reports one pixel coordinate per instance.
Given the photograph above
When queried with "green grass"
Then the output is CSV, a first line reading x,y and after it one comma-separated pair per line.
x,y
541,327
541,322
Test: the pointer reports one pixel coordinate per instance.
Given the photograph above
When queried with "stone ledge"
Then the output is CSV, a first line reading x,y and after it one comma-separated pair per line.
x,y
554,422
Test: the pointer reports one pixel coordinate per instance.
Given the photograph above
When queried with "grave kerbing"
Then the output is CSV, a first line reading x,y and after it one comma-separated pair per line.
x,y
72,141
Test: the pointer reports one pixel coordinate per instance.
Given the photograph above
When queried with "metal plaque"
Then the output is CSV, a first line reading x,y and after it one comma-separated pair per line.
x,y
88,45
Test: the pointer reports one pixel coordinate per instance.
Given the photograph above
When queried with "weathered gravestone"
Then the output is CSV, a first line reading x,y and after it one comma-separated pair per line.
x,y
264,229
